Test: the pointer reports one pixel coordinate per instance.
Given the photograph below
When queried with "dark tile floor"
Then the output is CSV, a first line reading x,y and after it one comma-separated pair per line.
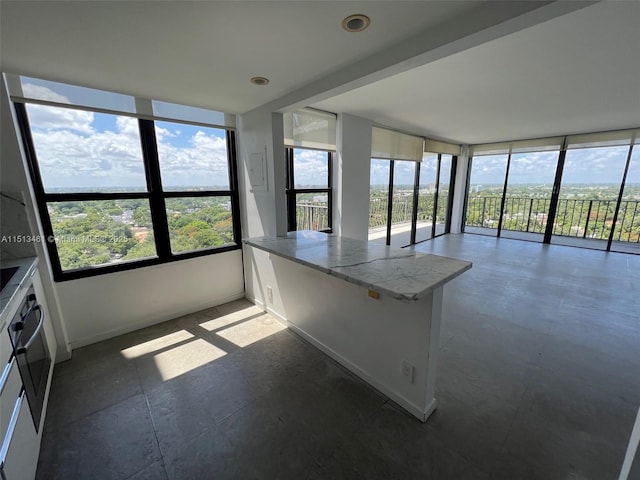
x,y
539,378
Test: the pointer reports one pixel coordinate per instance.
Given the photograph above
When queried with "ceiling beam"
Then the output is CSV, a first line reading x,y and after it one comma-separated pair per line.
x,y
487,22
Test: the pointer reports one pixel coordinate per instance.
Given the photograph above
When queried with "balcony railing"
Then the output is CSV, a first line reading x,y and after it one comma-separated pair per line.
x,y
402,209
312,216
574,218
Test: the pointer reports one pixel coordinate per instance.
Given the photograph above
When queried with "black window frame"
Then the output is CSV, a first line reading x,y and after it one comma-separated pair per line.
x,y
154,194
291,191
416,196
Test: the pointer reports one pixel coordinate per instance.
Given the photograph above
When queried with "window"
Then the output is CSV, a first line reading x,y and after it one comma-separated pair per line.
x,y
580,190
117,192
409,202
309,189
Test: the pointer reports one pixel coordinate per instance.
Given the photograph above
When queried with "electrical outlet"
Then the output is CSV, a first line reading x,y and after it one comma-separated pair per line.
x,y
408,371
269,295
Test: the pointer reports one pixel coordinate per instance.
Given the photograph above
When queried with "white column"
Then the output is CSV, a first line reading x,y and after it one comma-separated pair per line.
x,y
351,177
460,190
261,147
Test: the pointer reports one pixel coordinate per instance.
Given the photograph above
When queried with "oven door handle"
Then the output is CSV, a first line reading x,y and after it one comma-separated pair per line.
x,y
23,349
6,443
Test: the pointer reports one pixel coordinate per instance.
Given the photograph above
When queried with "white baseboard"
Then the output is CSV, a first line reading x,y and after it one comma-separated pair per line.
x,y
410,407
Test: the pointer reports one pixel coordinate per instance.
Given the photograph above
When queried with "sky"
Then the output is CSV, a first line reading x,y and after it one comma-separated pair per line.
x,y
404,171
78,149
586,165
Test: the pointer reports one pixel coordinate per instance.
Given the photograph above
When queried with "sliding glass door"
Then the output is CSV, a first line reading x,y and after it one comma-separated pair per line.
x,y
379,187
591,183
401,222
427,184
626,235
446,174
528,195
414,204
485,194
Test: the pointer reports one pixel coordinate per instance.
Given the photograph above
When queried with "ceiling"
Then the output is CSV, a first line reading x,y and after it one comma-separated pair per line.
x,y
453,70
577,73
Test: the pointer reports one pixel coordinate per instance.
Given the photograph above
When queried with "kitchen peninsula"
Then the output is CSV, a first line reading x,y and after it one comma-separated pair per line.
x,y
374,309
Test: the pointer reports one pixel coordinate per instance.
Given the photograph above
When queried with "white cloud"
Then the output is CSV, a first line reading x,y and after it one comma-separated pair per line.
x,y
310,168
201,162
43,117
74,157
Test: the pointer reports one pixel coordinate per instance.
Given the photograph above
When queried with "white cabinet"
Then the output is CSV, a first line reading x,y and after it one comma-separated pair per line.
x,y
22,455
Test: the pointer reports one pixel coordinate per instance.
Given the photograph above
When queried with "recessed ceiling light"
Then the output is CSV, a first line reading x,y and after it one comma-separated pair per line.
x,y
356,23
260,80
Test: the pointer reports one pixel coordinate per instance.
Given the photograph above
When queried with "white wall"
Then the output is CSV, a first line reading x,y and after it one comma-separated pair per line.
x,y
104,306
263,208
351,177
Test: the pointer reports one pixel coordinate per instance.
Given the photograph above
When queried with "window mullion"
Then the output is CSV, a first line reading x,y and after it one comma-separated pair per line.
x,y
154,186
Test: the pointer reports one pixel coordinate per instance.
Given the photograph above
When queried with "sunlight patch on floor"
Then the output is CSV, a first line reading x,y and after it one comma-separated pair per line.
x,y
251,331
156,344
184,358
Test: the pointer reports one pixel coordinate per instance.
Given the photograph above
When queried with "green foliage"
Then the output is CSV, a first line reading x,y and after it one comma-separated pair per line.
x,y
101,232
583,210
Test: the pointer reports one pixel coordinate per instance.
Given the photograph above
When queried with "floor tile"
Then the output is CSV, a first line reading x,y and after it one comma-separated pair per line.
x,y
537,379
114,443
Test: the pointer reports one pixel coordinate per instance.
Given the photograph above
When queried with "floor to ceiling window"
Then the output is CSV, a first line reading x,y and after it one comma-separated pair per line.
x,y
402,208
528,194
591,182
435,193
626,235
485,193
427,184
410,201
580,190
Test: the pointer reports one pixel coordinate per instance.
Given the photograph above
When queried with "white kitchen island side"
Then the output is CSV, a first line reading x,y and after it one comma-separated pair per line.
x,y
324,287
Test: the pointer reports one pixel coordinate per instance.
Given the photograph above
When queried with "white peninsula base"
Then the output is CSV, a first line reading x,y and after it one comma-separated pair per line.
x,y
324,287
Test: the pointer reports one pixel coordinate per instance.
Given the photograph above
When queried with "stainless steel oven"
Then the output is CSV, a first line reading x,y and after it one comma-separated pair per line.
x,y
31,352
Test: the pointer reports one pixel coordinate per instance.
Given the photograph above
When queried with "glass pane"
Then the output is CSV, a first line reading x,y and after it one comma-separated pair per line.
x,y
96,233
531,177
588,195
312,211
192,114
485,194
310,169
378,200
80,151
197,223
404,173
626,237
192,157
37,89
443,194
426,194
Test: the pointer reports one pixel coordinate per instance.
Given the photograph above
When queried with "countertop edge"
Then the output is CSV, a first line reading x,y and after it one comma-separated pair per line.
x,y
261,245
14,290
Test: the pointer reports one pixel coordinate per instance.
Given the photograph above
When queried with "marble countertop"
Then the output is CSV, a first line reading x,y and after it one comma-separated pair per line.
x,y
17,286
402,274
